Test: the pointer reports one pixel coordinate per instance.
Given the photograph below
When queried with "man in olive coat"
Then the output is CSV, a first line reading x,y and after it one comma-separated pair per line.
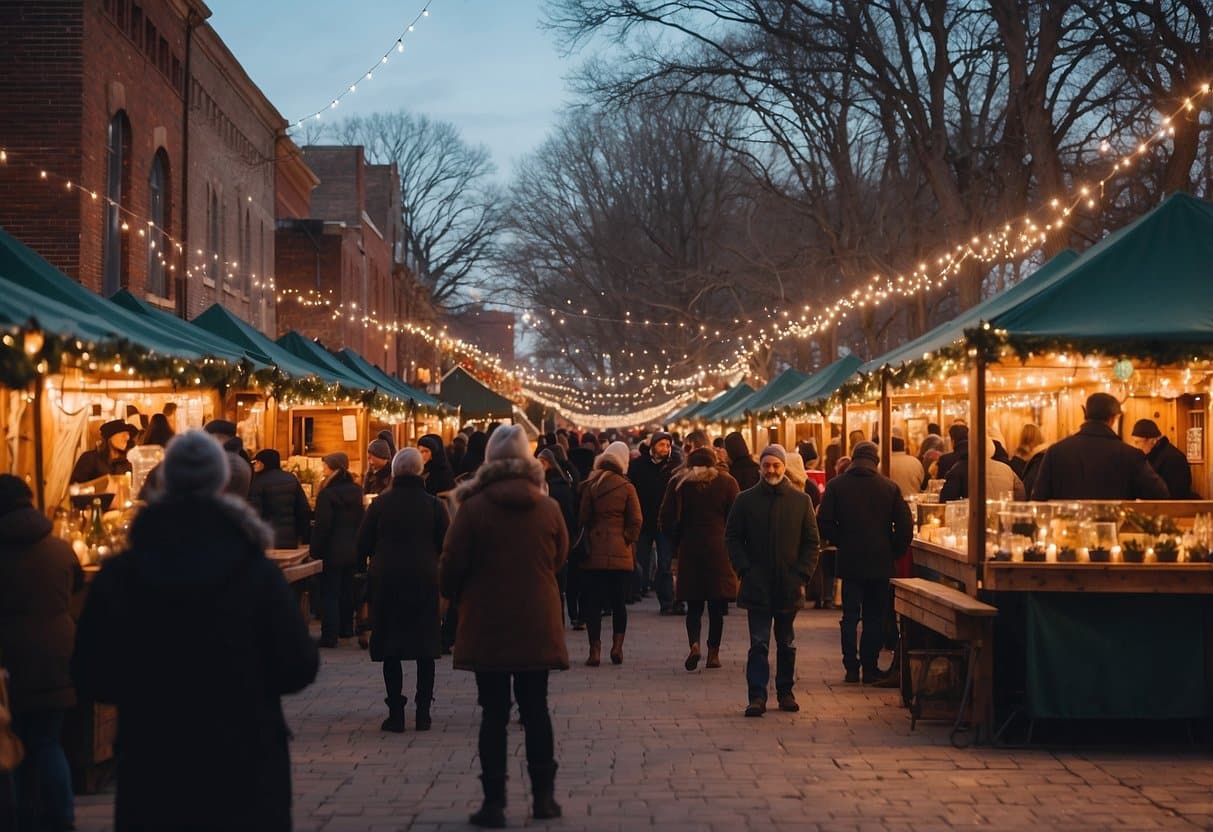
x,y
773,544
1094,464
865,516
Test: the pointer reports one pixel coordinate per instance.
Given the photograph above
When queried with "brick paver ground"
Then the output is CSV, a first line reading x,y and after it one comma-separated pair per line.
x,y
648,745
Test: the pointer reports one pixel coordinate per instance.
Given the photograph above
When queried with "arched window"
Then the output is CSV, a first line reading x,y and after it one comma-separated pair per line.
x,y
158,213
117,189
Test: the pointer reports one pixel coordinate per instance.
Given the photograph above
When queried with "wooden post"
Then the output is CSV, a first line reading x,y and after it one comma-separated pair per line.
x,y
39,444
977,464
886,424
843,447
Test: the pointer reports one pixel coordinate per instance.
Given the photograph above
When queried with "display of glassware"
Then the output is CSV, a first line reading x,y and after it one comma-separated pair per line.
x,y
1016,531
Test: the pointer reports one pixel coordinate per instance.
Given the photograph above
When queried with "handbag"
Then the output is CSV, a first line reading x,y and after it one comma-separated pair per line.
x,y
12,752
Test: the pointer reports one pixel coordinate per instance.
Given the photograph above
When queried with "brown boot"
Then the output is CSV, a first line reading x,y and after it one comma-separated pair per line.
x,y
692,661
713,656
595,658
617,648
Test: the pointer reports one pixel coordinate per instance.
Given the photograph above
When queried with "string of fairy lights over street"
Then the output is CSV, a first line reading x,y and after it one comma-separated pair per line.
x,y
595,398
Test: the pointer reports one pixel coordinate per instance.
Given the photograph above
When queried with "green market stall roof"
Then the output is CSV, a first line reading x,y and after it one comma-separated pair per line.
x,y
1145,290
360,365
686,412
217,346
763,398
308,350
931,343
819,387
721,404
478,402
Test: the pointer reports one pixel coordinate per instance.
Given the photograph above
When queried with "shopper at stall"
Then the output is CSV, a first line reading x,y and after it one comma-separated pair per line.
x,y
378,476
1167,460
1031,443
1094,464
610,514
109,457
693,515
958,433
278,497
505,546
650,472
742,466
338,517
158,432
239,466
195,635
905,470
773,545
474,458
438,476
865,516
402,534
1000,479
38,576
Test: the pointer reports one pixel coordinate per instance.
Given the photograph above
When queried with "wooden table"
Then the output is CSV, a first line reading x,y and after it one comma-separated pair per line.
x,y
1124,578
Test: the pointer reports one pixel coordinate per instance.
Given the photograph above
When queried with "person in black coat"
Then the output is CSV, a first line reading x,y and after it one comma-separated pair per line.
x,y
650,473
402,534
865,516
109,457
202,740
474,457
279,498
438,476
561,489
581,458
742,466
338,516
959,435
1167,460
1094,464
39,574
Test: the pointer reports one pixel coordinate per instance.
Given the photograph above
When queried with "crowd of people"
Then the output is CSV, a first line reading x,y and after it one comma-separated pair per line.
x,y
486,547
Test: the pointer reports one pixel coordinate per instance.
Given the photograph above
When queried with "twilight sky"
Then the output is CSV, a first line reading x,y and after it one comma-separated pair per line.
x,y
482,64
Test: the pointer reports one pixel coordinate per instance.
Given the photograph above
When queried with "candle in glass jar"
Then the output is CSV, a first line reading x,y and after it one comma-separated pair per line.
x,y
1116,554
1051,553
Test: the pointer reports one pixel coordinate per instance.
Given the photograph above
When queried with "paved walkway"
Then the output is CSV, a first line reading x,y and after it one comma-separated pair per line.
x,y
648,745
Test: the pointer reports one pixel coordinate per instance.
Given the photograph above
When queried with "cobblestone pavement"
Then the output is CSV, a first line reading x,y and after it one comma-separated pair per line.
x,y
648,745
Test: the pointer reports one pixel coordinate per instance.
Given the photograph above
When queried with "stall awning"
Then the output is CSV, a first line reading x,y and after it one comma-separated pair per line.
x,y
686,412
216,347
308,350
764,398
821,385
721,404
23,266
478,402
360,365
223,323
1143,290
18,305
952,331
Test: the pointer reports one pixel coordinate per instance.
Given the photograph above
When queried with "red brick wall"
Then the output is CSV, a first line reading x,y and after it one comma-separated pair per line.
x,y
341,194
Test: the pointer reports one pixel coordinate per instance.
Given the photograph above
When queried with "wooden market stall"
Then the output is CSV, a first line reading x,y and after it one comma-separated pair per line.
x,y
476,402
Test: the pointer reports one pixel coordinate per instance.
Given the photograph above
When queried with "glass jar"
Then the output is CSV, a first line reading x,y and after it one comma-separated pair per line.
x,y
1016,531
1067,532
1102,543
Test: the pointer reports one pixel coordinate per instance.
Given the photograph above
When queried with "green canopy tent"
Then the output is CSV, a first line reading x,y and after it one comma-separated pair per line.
x,y
815,389
722,403
216,346
476,402
361,366
308,350
686,412
762,398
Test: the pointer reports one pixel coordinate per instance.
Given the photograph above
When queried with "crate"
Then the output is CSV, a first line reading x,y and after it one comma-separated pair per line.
x,y
937,679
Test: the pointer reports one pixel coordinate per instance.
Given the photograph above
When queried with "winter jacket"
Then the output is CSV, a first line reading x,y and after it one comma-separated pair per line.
x,y
907,472
561,490
506,544
650,478
195,635
278,497
38,575
92,465
742,466
693,516
438,475
1094,464
376,482
864,515
338,517
1000,479
582,460
773,544
240,476
402,534
610,514
1172,467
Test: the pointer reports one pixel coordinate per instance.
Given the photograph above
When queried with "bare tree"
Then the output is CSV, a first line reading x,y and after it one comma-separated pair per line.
x,y
451,208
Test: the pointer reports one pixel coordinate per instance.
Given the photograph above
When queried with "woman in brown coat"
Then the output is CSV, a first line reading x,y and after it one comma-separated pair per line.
x,y
499,563
610,515
694,515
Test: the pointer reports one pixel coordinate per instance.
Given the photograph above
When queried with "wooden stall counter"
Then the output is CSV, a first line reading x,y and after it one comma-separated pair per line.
x,y
1121,578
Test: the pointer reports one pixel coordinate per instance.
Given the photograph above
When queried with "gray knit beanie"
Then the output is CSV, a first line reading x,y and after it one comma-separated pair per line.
x,y
194,463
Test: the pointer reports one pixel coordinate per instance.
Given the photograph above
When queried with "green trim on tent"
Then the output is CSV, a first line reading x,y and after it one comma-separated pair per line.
x,y
723,402
763,398
360,365
309,351
820,386
223,323
459,387
18,305
216,346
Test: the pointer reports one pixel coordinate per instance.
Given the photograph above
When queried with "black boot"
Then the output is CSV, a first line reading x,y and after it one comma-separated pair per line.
x,y
395,714
492,813
424,723
543,788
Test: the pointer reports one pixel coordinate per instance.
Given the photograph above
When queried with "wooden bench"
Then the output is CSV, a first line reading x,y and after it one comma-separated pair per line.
x,y
960,618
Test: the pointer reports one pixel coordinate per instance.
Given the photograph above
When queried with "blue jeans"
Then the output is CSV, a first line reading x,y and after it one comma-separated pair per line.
x,y
758,668
43,781
863,600
663,581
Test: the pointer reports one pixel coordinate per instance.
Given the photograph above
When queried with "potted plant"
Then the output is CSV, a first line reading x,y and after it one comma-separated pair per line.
x,y
1133,549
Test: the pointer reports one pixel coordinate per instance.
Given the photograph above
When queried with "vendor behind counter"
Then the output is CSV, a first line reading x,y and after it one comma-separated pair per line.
x,y
109,457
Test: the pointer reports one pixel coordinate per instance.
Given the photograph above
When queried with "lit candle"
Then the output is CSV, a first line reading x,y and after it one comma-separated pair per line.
x,y
1116,554
1051,553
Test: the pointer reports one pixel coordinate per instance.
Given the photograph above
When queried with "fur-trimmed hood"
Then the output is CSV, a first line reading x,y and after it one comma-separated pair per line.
x,y
700,467
529,470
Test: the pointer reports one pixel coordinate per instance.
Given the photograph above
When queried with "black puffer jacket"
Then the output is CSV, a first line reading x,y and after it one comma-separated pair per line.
x,y
198,694
865,516
338,516
651,478
38,575
278,497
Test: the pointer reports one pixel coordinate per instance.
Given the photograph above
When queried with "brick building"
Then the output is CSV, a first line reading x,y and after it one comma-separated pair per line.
x,y
143,109
490,329
343,257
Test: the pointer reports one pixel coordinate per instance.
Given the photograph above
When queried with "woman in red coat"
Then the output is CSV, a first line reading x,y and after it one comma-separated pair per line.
x,y
694,515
